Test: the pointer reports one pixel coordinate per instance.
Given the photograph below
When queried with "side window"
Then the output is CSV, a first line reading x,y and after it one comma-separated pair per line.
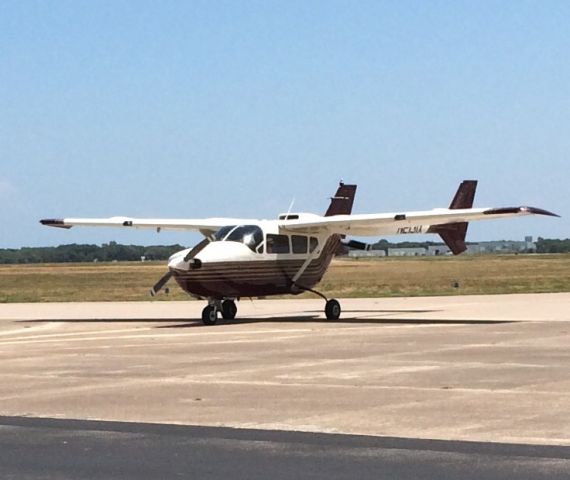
x,y
313,244
299,244
277,243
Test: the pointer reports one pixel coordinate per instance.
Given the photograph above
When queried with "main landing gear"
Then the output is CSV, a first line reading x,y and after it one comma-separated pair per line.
x,y
332,309
332,306
227,308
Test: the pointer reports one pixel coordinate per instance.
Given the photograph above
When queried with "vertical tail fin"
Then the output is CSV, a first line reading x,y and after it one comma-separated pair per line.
x,y
453,234
465,195
341,203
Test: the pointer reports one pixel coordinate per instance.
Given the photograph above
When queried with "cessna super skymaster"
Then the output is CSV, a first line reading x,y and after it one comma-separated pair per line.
x,y
255,258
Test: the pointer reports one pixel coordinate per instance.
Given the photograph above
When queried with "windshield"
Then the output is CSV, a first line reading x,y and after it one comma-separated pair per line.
x,y
223,232
250,235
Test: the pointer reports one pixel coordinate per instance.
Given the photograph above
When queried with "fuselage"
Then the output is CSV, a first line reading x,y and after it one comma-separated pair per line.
x,y
253,261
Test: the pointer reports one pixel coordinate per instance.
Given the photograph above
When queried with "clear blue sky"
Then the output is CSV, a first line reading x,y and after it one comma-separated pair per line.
x,y
231,108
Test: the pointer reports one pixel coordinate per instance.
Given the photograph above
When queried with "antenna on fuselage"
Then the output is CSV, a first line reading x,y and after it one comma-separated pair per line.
x,y
290,207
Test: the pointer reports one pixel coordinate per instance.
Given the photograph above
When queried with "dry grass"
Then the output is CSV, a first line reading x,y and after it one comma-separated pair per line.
x,y
464,275
82,282
346,278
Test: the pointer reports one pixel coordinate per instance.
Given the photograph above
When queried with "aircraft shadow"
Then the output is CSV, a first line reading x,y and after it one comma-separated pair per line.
x,y
104,320
315,318
350,320
379,311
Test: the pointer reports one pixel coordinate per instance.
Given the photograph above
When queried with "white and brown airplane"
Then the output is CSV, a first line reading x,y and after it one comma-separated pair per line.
x,y
256,258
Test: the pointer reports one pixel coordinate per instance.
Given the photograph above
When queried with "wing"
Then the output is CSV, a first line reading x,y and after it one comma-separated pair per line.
x,y
404,222
207,226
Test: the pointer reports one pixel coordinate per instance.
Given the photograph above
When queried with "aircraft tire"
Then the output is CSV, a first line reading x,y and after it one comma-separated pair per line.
x,y
332,309
209,315
229,309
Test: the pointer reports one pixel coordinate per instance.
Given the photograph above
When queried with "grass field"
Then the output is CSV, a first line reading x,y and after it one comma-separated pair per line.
x,y
346,278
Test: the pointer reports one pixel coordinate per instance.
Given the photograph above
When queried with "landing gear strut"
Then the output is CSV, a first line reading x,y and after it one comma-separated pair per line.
x,y
332,307
226,307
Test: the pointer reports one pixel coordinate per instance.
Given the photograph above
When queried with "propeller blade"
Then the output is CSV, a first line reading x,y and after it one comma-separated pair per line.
x,y
197,249
161,283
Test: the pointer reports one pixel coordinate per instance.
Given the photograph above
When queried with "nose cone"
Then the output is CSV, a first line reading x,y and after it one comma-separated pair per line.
x,y
178,261
183,261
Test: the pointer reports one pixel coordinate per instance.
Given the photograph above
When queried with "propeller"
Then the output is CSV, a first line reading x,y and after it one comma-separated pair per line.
x,y
161,283
192,253
193,263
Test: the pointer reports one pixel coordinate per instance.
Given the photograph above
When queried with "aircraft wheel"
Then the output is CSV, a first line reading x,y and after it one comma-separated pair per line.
x,y
209,315
229,309
332,309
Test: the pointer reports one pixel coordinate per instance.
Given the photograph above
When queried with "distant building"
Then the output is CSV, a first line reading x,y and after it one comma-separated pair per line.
x,y
500,246
504,246
435,250
407,252
474,249
366,253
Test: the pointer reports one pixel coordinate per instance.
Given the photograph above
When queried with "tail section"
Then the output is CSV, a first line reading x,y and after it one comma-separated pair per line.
x,y
453,234
465,195
341,203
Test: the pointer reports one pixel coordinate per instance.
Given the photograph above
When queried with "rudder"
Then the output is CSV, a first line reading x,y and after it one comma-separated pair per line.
x,y
341,203
453,234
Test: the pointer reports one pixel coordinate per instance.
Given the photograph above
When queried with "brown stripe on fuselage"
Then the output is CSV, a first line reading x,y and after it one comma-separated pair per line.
x,y
256,278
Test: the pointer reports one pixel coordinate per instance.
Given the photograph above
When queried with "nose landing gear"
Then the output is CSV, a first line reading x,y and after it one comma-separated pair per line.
x,y
226,307
229,309
209,315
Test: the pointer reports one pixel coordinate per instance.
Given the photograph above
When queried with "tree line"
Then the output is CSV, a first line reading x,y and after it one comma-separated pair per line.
x,y
75,253
543,245
552,245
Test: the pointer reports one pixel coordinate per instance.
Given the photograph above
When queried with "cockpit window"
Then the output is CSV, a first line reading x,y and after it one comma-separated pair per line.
x,y
250,235
223,232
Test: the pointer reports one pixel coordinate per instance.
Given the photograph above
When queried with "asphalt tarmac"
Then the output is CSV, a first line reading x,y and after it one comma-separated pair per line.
x,y
466,387
77,449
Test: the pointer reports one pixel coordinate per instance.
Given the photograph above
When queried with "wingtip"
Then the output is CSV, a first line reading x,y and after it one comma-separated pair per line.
x,y
54,222
539,211
516,210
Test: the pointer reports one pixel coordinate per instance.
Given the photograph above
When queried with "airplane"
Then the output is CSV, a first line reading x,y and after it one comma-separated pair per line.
x,y
258,258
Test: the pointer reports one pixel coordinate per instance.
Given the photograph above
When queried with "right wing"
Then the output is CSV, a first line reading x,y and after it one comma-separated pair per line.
x,y
404,222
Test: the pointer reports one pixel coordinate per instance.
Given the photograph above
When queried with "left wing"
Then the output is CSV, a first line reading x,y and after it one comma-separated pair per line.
x,y
404,222
206,226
